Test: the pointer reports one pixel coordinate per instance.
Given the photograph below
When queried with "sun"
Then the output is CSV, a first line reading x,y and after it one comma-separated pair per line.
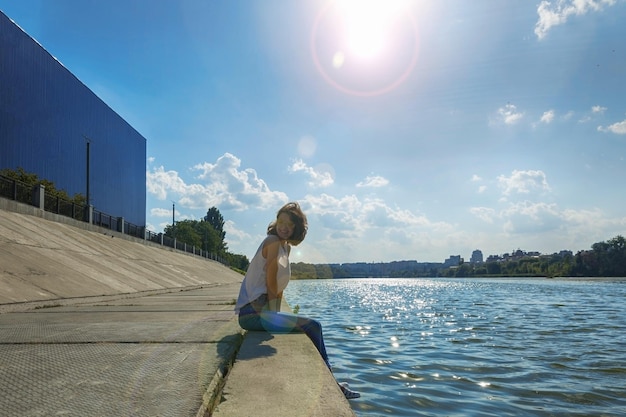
x,y
365,47
367,25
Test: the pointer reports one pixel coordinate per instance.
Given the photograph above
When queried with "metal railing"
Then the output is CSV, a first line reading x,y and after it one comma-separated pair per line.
x,y
36,196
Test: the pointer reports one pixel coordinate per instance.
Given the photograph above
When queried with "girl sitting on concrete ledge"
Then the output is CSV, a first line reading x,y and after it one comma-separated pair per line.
x,y
258,304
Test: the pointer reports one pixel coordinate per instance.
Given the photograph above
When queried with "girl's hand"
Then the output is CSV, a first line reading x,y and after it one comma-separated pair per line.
x,y
274,305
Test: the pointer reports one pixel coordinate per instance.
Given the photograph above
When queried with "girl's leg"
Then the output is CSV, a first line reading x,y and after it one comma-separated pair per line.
x,y
275,322
282,322
251,322
249,319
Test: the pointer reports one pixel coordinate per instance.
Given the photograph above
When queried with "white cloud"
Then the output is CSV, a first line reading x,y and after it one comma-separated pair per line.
x,y
509,115
232,231
159,182
370,230
522,182
486,214
544,226
618,128
555,13
595,110
223,184
160,212
353,216
598,109
481,188
547,117
528,217
374,182
318,178
336,214
238,237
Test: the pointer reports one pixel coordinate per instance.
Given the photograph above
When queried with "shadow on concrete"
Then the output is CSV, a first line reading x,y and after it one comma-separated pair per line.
x,y
254,346
228,346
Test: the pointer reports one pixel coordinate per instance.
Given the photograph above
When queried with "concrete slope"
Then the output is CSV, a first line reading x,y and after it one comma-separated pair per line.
x,y
43,260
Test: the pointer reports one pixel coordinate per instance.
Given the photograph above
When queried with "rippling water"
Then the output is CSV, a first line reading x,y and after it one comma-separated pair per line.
x,y
474,347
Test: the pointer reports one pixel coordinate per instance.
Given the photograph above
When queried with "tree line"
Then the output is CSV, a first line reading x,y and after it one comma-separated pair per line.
x,y
207,234
604,259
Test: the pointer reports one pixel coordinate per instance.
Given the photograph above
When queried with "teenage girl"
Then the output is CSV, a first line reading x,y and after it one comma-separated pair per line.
x,y
258,305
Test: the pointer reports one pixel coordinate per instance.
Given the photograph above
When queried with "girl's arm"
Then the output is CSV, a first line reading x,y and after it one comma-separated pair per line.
x,y
279,300
270,251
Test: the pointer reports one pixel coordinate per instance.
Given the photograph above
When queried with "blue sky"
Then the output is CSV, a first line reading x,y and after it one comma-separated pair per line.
x,y
406,129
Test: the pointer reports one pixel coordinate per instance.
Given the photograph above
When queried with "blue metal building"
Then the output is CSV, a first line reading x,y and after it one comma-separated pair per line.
x,y
48,120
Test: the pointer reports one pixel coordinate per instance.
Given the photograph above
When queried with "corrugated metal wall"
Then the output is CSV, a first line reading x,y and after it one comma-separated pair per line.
x,y
46,116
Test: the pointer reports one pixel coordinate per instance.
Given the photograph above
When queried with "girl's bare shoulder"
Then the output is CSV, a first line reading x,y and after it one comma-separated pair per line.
x,y
271,239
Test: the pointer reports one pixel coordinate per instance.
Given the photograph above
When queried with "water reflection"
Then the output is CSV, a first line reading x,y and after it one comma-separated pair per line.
x,y
474,347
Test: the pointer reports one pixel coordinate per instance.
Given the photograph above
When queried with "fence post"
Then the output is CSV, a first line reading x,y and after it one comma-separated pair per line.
x,y
39,199
120,225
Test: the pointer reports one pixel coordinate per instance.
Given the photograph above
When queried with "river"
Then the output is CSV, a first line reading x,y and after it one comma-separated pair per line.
x,y
474,347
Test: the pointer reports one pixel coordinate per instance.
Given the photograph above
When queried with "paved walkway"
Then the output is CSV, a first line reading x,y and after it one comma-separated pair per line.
x,y
157,355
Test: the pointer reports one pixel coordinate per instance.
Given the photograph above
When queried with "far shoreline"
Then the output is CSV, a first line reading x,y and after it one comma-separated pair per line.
x,y
475,277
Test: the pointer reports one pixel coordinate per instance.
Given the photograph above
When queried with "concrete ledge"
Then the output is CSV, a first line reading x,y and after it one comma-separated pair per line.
x,y
280,375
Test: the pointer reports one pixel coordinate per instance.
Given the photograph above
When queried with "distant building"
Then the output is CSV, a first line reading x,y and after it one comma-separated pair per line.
x,y
477,257
50,121
453,261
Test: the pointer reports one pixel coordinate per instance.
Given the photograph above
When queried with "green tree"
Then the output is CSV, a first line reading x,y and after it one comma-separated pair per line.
x,y
185,231
463,271
239,262
323,271
199,234
302,270
494,268
616,257
215,219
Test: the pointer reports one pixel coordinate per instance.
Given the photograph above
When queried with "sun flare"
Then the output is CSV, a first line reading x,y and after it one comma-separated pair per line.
x,y
365,47
367,24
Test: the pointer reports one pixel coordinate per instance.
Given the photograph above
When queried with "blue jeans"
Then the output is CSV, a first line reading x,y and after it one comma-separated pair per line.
x,y
282,322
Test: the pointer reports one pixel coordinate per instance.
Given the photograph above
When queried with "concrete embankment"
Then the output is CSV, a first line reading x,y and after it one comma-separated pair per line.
x,y
94,323
45,260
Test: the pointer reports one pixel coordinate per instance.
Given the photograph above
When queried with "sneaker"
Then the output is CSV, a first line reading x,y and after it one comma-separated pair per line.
x,y
347,392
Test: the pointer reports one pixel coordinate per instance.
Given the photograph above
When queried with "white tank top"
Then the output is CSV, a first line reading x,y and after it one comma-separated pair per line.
x,y
254,283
